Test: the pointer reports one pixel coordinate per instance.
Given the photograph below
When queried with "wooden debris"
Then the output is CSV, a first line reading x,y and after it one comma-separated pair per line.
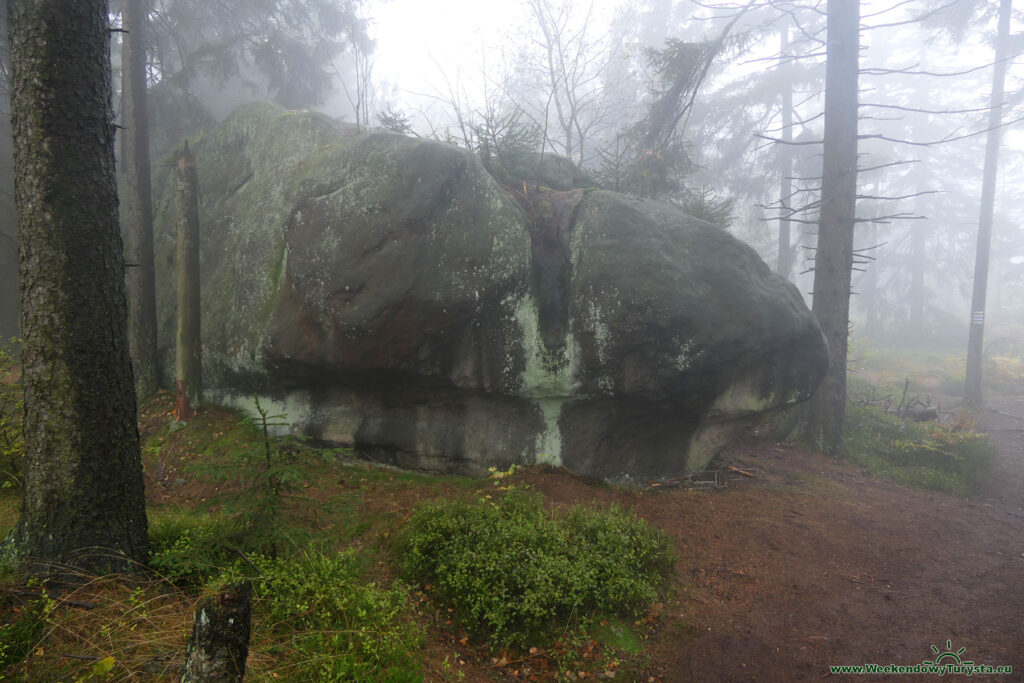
x,y
743,472
219,644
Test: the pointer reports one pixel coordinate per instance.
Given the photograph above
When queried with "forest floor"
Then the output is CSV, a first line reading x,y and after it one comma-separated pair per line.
x,y
791,563
812,563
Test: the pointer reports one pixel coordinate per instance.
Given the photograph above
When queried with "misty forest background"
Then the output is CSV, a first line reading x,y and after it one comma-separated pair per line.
x,y
719,108
715,106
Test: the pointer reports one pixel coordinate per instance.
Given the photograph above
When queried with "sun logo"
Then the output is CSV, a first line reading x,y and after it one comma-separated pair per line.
x,y
948,654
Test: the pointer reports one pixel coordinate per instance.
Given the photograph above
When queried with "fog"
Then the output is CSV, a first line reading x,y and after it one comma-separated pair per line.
x,y
931,80
449,67
559,258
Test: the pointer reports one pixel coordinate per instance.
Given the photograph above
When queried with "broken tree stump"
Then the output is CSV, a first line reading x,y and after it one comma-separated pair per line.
x,y
219,644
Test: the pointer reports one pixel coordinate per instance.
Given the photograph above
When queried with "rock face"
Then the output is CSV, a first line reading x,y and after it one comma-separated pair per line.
x,y
386,292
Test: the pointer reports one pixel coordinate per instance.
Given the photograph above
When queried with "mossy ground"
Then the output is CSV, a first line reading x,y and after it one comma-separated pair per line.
x,y
337,525
799,562
948,455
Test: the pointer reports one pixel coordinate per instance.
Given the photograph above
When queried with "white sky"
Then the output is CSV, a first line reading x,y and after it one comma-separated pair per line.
x,y
422,43
415,39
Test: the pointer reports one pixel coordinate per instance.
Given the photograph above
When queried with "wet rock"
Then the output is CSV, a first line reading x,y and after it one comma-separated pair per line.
x,y
386,292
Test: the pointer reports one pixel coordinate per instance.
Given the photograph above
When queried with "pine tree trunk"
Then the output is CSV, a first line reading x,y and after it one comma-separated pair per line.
x,y
975,342
784,265
137,207
834,256
83,497
188,349
871,289
917,296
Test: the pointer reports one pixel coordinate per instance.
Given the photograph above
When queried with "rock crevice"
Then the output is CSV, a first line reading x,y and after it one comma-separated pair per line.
x,y
386,292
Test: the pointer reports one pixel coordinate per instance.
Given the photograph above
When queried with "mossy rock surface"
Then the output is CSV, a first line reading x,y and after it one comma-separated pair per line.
x,y
387,292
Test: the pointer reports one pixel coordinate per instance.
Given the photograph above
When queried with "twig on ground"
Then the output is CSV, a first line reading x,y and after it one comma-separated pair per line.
x,y
739,471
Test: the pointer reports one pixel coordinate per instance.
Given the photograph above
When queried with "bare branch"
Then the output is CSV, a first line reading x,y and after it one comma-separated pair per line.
x,y
916,20
871,248
864,169
890,8
796,123
932,143
886,220
879,71
905,196
922,111
787,142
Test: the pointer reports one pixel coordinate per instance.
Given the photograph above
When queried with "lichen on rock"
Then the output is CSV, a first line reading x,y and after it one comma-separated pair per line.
x,y
391,294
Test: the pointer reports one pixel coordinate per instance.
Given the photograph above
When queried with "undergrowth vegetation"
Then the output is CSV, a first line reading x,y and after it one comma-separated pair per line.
x,y
360,570
335,564
951,457
887,387
318,612
517,575
12,443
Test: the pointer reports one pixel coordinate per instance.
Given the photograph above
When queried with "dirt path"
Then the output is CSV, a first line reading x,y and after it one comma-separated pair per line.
x,y
1004,420
812,563
804,564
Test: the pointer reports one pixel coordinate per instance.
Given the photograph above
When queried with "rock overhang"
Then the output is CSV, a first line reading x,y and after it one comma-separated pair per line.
x,y
390,294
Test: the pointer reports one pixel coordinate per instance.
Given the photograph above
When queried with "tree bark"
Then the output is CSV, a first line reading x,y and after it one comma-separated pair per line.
x,y
870,294
137,209
917,297
976,338
83,492
784,265
834,256
188,349
219,644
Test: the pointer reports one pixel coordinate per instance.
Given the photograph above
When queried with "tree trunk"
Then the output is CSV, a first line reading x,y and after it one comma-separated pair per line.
x,y
918,295
137,208
784,264
870,292
83,493
188,349
972,387
219,644
834,255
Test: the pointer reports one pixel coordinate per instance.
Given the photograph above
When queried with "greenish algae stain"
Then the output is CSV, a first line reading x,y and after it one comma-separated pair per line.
x,y
549,378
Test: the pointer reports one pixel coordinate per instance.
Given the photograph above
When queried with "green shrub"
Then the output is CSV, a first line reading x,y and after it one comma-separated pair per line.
x,y
952,457
517,576
339,626
190,548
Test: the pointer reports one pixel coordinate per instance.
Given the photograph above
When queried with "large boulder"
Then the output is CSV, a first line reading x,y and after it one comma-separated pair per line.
x,y
386,292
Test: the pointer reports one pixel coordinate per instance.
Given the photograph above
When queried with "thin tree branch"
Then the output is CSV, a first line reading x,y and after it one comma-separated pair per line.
x,y
943,141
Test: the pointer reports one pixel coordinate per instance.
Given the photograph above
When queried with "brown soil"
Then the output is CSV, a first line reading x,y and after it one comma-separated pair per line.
x,y
810,563
794,562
